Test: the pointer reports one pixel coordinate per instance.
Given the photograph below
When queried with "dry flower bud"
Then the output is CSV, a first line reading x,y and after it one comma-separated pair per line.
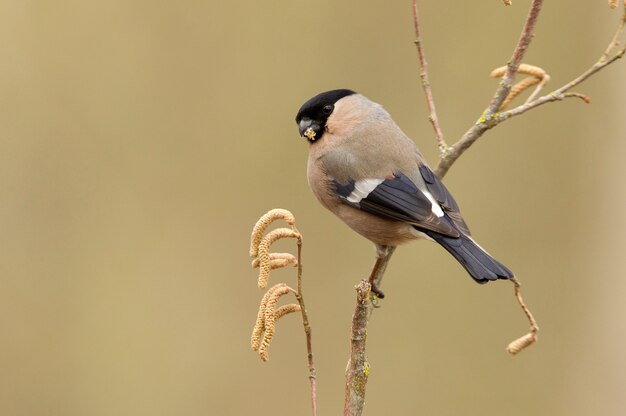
x,y
278,260
285,310
522,69
270,318
264,222
264,252
518,89
521,343
538,76
260,325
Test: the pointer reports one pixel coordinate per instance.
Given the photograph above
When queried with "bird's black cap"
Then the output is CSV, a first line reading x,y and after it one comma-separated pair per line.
x,y
314,106
313,114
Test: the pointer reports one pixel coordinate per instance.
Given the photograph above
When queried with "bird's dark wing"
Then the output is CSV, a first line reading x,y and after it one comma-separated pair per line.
x,y
445,199
397,198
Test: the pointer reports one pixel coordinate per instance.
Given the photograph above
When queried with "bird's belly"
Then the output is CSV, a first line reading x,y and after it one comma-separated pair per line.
x,y
378,230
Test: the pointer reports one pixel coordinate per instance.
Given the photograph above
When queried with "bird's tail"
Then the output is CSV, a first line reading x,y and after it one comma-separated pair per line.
x,y
478,263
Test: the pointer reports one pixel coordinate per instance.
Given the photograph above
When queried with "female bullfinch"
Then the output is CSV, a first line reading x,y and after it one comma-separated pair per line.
x,y
366,171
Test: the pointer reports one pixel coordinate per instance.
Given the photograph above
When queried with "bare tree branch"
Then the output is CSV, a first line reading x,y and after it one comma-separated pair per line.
x,y
434,120
307,331
615,40
491,117
561,93
486,120
605,60
357,370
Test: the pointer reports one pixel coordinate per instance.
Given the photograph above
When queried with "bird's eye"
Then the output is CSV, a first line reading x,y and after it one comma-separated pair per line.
x,y
327,109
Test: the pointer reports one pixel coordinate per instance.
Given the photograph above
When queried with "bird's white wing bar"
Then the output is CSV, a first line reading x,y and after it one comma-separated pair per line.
x,y
362,189
396,198
436,208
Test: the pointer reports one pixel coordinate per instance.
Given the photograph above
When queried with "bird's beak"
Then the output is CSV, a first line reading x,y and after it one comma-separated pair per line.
x,y
305,123
309,129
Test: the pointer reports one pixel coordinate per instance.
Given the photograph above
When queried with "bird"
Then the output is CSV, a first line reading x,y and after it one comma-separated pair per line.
x,y
364,169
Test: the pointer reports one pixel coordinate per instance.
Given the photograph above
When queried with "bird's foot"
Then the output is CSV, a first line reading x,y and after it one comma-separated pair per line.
x,y
376,291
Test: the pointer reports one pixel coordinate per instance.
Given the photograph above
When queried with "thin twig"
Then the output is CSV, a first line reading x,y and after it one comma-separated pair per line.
x,y
536,76
486,120
561,93
518,54
434,120
615,41
538,89
527,340
307,331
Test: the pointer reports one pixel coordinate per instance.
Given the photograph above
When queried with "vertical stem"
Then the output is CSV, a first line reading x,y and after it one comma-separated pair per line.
x,y
357,370
434,120
307,332
518,54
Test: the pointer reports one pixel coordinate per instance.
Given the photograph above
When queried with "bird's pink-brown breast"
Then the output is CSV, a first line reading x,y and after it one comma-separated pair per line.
x,y
378,230
345,152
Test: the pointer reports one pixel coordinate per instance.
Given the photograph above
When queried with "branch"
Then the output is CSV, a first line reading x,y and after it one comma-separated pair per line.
x,y
485,122
518,54
307,331
615,41
561,93
358,369
536,76
491,118
434,120
527,340
605,60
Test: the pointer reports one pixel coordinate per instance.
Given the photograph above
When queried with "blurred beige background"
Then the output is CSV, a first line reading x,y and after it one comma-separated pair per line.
x,y
141,140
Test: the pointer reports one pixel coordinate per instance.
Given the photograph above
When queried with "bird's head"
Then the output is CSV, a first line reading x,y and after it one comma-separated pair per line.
x,y
313,115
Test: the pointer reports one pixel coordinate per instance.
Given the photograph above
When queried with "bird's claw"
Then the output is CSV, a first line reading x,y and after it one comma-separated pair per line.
x,y
376,291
